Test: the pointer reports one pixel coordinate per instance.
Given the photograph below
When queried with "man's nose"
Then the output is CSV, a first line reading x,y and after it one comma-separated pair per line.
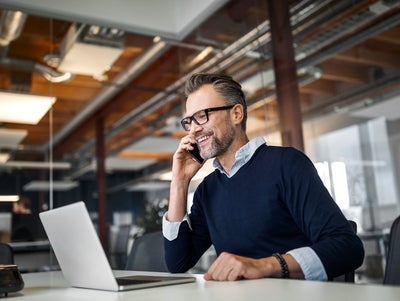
x,y
194,127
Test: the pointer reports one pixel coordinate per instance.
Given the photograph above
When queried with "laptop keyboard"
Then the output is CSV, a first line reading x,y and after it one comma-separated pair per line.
x,y
134,280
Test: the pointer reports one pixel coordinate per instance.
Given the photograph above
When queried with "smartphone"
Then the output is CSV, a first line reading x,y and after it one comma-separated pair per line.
x,y
195,153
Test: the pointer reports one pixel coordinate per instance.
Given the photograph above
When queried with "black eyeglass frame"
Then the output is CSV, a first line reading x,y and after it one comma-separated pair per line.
x,y
188,120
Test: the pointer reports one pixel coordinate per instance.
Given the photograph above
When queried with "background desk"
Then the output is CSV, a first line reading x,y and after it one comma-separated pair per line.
x,y
52,286
33,256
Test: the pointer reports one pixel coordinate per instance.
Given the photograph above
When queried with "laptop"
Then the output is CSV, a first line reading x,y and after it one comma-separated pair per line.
x,y
81,256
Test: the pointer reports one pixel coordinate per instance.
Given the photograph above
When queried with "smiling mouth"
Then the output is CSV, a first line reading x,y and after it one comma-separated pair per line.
x,y
201,139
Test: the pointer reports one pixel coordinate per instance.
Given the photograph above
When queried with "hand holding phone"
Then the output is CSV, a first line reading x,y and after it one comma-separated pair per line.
x,y
195,153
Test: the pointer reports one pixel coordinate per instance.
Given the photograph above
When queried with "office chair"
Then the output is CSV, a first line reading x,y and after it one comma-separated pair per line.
x,y
147,253
6,254
392,270
120,253
348,276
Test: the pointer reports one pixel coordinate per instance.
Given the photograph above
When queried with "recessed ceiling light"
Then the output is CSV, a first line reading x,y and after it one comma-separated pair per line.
x,y
24,108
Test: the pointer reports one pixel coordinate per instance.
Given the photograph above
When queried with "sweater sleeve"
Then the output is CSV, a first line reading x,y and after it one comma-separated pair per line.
x,y
316,213
183,252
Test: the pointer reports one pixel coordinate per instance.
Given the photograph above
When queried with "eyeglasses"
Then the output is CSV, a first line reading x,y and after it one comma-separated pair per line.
x,y
201,117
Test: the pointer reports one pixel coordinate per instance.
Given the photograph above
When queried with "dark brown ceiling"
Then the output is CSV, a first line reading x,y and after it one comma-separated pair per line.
x,y
349,52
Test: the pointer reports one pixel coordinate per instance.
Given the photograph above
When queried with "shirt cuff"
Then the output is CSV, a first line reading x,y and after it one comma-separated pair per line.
x,y
171,229
310,263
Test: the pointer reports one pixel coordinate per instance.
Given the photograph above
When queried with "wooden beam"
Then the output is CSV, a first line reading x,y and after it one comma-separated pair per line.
x,y
343,71
368,56
285,74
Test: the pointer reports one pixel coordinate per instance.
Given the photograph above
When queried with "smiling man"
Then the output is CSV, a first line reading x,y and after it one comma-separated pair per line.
x,y
264,208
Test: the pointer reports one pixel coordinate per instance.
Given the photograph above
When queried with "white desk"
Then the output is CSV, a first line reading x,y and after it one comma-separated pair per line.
x,y
52,286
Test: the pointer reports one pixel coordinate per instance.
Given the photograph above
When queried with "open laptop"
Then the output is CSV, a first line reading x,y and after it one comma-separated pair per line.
x,y
81,256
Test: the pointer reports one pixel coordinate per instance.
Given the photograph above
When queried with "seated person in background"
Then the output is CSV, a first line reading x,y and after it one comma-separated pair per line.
x,y
22,206
264,208
22,225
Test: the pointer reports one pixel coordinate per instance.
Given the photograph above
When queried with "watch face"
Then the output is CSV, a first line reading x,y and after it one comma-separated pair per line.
x,y
10,279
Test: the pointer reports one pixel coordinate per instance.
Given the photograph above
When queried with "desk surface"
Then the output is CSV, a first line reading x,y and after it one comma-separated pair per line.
x,y
52,286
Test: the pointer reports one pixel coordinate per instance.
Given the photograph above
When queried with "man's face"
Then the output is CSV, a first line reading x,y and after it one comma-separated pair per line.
x,y
215,136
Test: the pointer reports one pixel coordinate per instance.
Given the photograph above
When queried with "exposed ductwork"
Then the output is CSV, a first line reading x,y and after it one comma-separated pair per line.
x,y
132,71
257,38
252,41
11,25
30,66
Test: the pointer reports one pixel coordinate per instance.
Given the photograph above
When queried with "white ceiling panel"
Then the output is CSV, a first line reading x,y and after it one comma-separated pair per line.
x,y
155,144
46,185
171,19
148,186
121,164
389,109
10,138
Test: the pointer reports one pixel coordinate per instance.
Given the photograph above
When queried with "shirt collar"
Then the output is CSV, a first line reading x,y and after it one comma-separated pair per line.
x,y
242,156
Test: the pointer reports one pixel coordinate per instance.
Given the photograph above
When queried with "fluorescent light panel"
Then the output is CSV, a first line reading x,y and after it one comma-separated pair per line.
x,y
46,185
89,59
9,198
148,186
4,157
36,165
11,138
24,108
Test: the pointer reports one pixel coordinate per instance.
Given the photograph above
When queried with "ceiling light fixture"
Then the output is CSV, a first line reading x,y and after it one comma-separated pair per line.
x,y
46,185
9,198
36,165
11,138
24,108
90,50
4,157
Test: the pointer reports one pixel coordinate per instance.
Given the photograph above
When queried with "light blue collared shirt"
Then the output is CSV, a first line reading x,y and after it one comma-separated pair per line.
x,y
308,260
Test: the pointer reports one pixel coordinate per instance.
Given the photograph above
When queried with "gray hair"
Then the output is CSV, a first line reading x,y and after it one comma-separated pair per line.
x,y
224,85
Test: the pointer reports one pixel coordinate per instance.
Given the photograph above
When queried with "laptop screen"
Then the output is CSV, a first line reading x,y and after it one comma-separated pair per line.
x,y
26,227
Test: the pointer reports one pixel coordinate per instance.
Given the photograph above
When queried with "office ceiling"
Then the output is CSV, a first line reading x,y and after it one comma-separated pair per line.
x,y
347,53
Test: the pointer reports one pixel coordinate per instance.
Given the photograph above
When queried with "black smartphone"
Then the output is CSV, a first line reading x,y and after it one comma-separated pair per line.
x,y
195,153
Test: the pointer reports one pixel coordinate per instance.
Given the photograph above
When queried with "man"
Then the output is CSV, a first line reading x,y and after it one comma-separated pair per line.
x,y
264,208
22,206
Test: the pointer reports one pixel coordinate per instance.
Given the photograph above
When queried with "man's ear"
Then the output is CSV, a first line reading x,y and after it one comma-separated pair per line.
x,y
237,114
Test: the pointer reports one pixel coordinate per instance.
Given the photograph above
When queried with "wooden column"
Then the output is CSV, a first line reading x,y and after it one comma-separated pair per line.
x,y
287,89
101,182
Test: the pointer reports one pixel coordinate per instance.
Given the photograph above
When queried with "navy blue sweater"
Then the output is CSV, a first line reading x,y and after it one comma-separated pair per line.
x,y
275,203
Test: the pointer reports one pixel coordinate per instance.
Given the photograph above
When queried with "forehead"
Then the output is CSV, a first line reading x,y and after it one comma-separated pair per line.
x,y
203,98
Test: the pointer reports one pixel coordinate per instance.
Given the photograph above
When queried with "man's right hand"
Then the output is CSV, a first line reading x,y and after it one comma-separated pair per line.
x,y
184,167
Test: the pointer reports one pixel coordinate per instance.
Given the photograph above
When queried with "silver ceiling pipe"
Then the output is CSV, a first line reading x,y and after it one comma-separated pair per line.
x,y
31,66
11,25
357,97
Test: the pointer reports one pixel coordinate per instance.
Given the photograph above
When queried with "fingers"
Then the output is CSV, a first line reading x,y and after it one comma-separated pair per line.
x,y
234,267
186,143
226,267
184,167
185,146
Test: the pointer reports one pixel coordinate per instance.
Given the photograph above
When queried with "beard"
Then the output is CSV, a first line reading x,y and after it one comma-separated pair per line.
x,y
219,145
